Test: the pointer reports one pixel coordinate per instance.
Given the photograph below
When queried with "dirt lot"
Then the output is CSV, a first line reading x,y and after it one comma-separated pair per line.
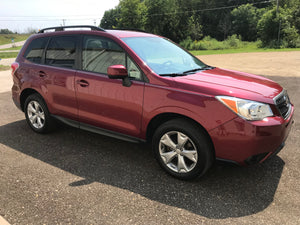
x,y
73,176
261,63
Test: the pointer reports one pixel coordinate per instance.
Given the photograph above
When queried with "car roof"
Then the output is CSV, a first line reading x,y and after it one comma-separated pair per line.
x,y
128,33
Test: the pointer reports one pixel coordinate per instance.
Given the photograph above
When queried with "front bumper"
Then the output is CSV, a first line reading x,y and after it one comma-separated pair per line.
x,y
250,142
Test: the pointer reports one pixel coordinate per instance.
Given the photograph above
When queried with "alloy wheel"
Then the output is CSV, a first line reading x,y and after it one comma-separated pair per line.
x,y
178,152
36,114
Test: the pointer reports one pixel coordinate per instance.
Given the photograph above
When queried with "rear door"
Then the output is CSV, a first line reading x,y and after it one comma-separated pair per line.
x,y
58,74
105,102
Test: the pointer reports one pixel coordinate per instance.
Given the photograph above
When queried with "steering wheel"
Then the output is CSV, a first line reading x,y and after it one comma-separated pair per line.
x,y
167,63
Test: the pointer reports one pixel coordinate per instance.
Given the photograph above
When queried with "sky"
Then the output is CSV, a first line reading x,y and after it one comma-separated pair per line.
x,y
22,15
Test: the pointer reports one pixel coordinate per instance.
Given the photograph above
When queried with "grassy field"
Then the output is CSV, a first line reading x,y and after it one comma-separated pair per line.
x,y
5,55
6,38
14,48
242,50
3,68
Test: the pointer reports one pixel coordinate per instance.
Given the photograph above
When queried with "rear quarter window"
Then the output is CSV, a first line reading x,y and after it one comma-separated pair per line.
x,y
34,51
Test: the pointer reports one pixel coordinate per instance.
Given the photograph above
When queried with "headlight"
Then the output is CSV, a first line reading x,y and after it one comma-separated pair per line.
x,y
249,110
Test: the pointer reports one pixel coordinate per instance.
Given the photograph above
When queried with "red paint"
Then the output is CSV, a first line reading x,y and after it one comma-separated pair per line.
x,y
117,72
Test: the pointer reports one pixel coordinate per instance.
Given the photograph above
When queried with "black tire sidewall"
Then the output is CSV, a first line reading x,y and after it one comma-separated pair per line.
x,y
200,139
39,99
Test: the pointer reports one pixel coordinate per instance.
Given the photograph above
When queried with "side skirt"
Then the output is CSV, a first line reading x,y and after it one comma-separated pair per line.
x,y
98,130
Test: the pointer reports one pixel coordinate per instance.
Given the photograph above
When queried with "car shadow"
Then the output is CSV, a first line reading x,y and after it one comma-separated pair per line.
x,y
225,191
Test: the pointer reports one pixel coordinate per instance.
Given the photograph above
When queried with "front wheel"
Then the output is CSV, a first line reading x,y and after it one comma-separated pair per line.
x,y
182,149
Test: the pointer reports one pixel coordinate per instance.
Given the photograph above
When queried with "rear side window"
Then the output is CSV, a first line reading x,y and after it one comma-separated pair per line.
x,y
34,52
61,51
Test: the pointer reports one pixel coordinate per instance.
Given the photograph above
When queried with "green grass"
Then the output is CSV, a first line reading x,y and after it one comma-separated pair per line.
x,y
14,48
242,50
6,38
3,68
5,55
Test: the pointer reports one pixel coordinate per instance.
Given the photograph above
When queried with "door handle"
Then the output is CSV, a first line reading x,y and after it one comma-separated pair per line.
x,y
42,74
82,83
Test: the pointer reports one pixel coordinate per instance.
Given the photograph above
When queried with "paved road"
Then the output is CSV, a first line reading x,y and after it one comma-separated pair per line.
x,y
73,176
19,43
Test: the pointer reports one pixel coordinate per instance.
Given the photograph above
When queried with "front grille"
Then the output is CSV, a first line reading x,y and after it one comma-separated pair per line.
x,y
283,104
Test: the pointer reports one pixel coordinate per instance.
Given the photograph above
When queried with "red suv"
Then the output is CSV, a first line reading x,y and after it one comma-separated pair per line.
x,y
142,87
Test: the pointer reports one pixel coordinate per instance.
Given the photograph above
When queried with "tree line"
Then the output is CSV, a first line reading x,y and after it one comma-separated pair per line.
x,y
6,31
275,25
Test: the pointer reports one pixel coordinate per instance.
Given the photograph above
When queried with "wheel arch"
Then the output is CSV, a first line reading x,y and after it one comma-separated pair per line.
x,y
159,119
25,93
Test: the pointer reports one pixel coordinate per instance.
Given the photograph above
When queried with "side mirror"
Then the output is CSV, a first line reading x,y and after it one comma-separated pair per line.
x,y
119,72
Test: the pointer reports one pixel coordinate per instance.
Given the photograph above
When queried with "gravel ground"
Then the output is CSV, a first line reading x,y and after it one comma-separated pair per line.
x,y
261,63
7,62
77,177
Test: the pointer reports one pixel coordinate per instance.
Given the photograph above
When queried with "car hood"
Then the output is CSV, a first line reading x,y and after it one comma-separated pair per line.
x,y
231,83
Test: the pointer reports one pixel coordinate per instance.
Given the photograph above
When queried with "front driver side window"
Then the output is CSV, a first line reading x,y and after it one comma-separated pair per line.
x,y
99,53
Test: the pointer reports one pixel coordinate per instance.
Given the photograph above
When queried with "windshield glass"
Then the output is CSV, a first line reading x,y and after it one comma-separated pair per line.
x,y
162,56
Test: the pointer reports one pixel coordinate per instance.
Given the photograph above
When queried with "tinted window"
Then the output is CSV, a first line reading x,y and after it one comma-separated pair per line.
x,y
99,53
34,52
133,70
61,52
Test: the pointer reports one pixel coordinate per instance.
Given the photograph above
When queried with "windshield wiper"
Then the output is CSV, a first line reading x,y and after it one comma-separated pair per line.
x,y
199,69
185,73
172,74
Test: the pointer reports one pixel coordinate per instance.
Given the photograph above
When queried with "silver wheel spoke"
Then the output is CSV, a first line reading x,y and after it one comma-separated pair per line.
x,y
39,122
181,166
31,109
168,156
36,106
166,140
33,118
191,155
42,115
181,139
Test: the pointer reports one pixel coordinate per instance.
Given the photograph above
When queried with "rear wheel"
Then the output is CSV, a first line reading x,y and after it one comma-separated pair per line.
x,y
37,114
182,149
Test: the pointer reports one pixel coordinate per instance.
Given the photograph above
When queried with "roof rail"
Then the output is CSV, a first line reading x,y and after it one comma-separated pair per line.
x,y
62,28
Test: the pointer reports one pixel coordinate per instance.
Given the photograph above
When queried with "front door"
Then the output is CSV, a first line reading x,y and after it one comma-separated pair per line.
x,y
105,102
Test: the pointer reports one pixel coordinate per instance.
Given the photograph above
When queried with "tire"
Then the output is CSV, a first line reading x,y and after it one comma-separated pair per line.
x,y
182,149
37,114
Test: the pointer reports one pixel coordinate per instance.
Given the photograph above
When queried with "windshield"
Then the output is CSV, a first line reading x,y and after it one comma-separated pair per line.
x,y
163,56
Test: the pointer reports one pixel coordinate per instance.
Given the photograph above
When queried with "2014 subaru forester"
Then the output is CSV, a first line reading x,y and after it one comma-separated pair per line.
x,y
142,87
